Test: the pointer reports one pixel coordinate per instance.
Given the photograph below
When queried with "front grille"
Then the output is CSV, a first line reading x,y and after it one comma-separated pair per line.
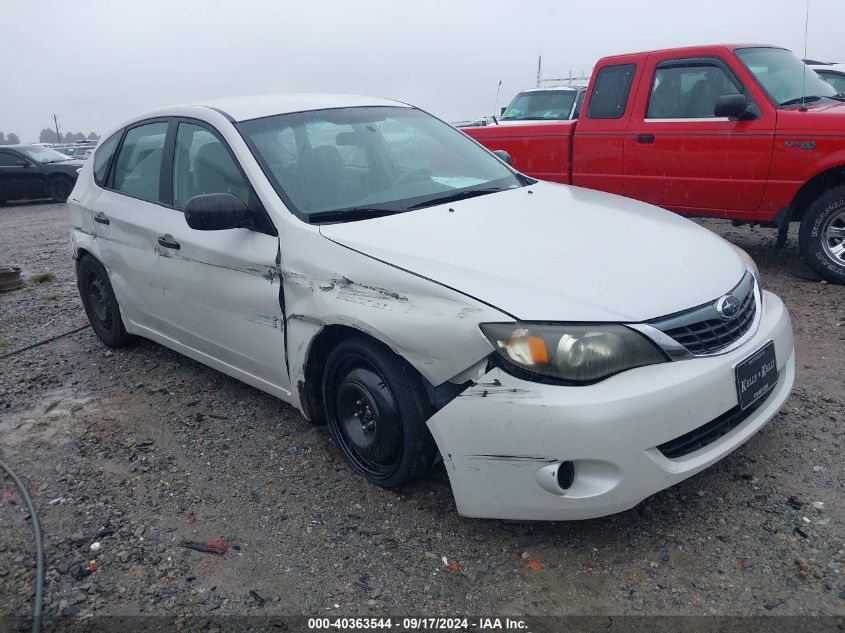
x,y
712,335
710,432
703,331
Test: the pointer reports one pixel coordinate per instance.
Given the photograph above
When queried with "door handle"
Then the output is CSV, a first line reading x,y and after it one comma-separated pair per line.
x,y
644,138
168,242
101,218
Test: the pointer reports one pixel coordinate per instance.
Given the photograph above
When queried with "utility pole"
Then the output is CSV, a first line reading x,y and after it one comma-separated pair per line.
x,y
58,135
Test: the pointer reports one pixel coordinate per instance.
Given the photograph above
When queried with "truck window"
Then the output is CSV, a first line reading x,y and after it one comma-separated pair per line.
x,y
688,92
610,92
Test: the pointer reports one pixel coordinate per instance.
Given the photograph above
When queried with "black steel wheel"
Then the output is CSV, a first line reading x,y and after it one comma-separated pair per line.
x,y
100,304
376,410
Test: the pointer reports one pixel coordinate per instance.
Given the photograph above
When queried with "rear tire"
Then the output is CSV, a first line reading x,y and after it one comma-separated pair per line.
x,y
59,188
376,409
101,306
822,236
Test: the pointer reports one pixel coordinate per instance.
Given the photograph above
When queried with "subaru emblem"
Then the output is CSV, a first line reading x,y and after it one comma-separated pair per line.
x,y
727,307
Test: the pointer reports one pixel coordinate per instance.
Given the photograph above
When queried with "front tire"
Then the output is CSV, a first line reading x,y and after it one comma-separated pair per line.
x,y
59,188
376,409
100,304
822,236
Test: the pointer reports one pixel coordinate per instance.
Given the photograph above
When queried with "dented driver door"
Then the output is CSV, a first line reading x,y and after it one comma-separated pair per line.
x,y
221,288
221,298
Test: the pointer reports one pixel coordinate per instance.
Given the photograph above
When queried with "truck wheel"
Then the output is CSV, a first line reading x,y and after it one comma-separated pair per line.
x,y
100,303
822,236
376,409
59,188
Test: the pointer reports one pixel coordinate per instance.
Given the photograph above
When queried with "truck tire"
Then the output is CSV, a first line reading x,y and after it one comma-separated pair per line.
x,y
822,236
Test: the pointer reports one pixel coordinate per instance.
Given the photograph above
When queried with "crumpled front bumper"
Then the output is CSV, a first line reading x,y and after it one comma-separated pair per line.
x,y
503,438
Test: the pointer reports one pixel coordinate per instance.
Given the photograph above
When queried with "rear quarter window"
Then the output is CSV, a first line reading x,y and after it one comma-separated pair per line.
x,y
610,91
102,158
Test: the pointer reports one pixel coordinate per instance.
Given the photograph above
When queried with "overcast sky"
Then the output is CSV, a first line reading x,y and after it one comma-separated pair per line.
x,y
97,62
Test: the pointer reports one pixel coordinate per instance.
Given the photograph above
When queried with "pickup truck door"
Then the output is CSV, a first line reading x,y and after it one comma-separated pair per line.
x,y
598,149
678,155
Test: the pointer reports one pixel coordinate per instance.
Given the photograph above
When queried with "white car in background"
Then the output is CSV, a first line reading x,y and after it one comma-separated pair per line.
x,y
536,105
834,74
551,103
566,352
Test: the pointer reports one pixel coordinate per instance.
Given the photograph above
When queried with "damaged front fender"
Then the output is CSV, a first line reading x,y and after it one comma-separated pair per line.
x,y
432,327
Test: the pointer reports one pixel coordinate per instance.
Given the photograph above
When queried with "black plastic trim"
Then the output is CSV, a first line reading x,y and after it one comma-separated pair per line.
x,y
706,434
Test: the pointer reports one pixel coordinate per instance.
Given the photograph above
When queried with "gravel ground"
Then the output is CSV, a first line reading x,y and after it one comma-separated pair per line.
x,y
140,448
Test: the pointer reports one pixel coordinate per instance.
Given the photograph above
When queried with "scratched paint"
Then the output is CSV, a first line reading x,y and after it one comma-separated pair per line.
x,y
433,327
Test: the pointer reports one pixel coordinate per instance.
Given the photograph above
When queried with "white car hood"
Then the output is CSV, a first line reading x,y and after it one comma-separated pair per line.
x,y
555,253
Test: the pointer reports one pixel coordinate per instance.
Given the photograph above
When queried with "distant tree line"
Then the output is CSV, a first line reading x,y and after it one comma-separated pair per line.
x,y
49,136
10,139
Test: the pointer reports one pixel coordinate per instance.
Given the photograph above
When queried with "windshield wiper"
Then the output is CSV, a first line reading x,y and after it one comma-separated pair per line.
x,y
800,100
352,213
453,197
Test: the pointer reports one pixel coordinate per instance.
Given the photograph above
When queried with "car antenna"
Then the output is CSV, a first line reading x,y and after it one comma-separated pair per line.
x,y
803,107
496,104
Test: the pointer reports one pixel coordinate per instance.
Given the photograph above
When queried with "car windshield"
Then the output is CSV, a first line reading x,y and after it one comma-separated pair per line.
x,y
835,79
783,76
352,163
541,104
44,155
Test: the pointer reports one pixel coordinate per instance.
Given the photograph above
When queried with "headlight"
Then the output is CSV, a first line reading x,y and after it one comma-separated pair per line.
x,y
578,353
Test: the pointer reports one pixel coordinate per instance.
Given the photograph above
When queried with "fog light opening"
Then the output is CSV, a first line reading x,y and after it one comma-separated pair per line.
x,y
565,475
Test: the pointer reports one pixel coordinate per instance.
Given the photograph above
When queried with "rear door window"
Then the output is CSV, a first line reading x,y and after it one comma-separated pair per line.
x,y
137,171
102,158
610,92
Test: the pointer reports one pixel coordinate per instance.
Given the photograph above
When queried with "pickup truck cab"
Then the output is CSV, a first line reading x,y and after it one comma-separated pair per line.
x,y
739,132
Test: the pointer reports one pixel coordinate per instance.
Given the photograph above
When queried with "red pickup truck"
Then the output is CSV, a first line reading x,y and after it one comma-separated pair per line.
x,y
746,133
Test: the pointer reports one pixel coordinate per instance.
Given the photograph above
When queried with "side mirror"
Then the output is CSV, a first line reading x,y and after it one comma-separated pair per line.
x,y
216,212
733,106
502,112
504,156
24,164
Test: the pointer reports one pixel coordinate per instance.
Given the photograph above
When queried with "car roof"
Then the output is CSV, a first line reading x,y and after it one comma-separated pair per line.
x,y
839,69
256,107
543,88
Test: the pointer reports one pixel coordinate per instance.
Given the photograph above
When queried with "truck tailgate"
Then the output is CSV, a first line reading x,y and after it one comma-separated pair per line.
x,y
539,150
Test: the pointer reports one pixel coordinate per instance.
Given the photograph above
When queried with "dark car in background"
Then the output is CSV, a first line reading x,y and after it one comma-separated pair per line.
x,y
30,172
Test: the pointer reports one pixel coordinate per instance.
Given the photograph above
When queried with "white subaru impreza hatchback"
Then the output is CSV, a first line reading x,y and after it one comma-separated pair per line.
x,y
567,353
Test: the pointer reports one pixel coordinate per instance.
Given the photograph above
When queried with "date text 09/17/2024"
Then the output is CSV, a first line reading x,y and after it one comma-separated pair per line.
x,y
419,624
